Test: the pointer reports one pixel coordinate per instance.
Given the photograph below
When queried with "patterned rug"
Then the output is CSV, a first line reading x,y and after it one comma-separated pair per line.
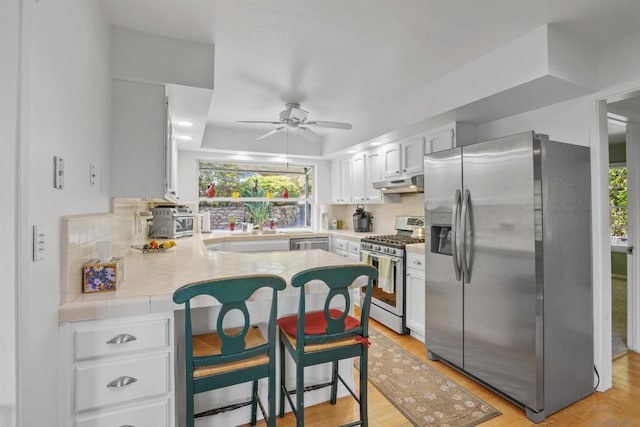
x,y
423,395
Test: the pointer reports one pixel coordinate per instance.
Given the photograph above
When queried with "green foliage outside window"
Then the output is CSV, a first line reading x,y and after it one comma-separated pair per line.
x,y
618,201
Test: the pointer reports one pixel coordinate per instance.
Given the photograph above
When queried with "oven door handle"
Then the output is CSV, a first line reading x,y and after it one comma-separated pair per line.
x,y
455,225
394,260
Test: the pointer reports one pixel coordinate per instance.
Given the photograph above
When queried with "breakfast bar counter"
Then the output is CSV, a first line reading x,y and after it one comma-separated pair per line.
x,y
151,278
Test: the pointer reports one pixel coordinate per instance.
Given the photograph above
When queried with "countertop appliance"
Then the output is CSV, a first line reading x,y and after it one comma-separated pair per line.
x,y
304,243
388,301
362,220
171,222
508,255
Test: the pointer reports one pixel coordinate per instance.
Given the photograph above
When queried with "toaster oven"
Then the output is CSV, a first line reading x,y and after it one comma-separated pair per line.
x,y
171,222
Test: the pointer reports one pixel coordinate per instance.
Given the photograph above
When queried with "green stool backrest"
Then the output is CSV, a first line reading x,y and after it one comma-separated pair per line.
x,y
338,279
232,293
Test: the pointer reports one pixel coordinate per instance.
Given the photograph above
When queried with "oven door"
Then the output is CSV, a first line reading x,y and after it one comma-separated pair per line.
x,y
390,301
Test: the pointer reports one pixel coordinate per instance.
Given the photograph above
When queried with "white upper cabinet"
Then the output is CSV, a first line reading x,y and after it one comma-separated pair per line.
x,y
373,173
413,155
366,168
391,160
358,174
143,153
403,158
452,135
341,181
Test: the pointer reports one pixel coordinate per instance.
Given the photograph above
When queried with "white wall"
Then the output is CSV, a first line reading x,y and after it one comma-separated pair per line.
x,y
66,112
9,84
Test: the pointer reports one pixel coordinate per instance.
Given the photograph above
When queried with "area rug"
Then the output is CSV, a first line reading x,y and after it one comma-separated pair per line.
x,y
425,396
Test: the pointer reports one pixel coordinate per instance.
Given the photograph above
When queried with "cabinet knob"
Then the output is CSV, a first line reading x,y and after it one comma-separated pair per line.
x,y
121,339
122,382
404,170
416,262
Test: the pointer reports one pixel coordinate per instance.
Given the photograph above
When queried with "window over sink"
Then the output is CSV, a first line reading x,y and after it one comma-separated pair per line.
x,y
262,194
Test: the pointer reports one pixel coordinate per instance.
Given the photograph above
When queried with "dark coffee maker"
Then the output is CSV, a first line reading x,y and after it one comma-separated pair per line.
x,y
362,220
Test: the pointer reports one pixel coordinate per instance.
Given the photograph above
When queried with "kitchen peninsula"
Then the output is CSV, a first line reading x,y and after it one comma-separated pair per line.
x,y
136,332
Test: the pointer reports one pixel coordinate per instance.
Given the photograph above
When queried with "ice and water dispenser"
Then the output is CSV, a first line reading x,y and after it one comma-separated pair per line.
x,y
441,233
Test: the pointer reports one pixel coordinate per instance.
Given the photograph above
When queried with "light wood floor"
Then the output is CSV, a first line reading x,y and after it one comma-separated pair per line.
x,y
617,407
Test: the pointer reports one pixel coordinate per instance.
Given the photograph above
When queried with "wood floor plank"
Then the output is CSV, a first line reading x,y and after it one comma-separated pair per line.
x,y
617,407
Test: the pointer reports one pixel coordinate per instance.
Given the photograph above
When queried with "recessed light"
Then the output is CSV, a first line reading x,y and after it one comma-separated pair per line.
x,y
185,137
185,123
376,143
352,151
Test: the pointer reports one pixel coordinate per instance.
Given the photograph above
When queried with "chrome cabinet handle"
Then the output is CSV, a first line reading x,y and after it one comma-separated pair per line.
x,y
127,425
455,223
122,382
121,339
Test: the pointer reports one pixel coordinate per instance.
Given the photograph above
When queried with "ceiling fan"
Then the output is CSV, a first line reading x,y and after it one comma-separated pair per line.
x,y
293,117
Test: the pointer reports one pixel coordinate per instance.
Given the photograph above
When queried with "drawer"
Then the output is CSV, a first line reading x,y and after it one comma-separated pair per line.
x,y
341,245
149,415
120,380
120,338
354,248
415,261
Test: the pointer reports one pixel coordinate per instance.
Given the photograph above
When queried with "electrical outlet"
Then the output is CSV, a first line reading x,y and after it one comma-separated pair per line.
x,y
39,242
58,172
92,174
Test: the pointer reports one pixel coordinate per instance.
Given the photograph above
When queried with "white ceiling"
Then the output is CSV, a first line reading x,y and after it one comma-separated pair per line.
x,y
339,58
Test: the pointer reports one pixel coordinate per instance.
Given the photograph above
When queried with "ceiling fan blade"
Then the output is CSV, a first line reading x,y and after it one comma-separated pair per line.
x,y
308,134
258,121
271,132
334,125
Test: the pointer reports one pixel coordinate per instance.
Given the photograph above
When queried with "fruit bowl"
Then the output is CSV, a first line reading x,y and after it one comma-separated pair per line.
x,y
154,246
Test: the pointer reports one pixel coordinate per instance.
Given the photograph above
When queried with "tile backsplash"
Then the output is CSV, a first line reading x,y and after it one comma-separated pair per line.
x,y
81,232
384,214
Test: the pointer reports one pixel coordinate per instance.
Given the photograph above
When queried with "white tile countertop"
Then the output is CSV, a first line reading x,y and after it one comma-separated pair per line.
x,y
232,236
151,278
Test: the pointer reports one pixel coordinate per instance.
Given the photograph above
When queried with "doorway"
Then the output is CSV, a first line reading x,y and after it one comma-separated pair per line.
x,y
623,116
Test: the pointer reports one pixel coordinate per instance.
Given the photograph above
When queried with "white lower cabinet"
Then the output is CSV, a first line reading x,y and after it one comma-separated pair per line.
x,y
415,278
150,415
119,372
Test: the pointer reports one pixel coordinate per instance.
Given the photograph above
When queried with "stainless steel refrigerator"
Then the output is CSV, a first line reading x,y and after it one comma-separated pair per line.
x,y
508,268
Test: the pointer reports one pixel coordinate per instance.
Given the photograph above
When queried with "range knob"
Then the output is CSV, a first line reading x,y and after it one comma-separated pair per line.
x,y
377,248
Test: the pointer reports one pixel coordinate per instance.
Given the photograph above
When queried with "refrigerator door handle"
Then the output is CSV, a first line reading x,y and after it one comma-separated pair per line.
x,y
463,238
455,223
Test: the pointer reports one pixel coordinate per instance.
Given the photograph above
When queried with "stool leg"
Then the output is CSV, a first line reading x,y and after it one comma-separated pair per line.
x,y
283,355
189,402
364,417
271,394
300,393
254,402
334,382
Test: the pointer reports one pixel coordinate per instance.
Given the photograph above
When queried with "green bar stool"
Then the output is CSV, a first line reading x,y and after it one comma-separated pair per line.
x,y
231,356
329,335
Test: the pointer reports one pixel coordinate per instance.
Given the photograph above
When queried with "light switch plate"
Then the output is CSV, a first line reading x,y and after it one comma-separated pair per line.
x,y
39,242
58,172
92,174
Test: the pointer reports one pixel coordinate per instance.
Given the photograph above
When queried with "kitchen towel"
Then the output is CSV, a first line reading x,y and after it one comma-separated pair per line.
x,y
365,256
385,274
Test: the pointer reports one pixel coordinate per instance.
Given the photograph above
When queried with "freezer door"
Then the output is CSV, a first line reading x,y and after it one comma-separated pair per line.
x,y
502,306
443,296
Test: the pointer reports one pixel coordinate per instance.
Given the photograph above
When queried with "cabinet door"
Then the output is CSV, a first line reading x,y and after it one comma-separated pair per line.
x,y
391,160
373,169
358,175
413,156
336,182
415,302
345,181
442,139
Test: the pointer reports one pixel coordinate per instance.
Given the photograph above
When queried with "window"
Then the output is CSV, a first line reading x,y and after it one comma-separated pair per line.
x,y
618,204
260,194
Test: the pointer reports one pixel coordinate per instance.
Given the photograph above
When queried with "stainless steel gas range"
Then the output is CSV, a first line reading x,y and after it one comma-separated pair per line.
x,y
387,254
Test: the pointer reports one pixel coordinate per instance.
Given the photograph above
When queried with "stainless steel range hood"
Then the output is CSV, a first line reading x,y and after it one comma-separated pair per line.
x,y
408,184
